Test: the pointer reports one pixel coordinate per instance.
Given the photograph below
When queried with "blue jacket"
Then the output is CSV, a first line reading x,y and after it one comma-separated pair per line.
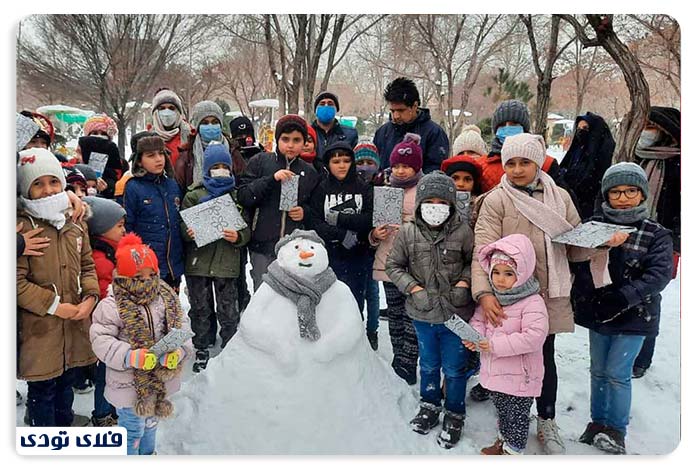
x,y
641,268
152,211
337,133
434,141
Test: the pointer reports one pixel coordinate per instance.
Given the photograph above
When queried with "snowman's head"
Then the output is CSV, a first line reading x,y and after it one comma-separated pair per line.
x,y
302,255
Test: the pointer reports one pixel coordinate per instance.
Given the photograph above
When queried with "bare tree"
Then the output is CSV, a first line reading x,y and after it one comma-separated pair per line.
x,y
660,51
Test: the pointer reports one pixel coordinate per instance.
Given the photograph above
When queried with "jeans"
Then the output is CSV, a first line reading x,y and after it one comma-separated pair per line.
x,y
49,402
142,432
611,363
372,299
645,356
102,408
438,348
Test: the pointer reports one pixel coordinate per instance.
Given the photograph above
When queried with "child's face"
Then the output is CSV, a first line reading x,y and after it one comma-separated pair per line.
x,y
366,162
624,197
503,277
153,161
339,166
403,171
291,144
92,184
44,186
78,190
521,171
463,180
309,145
36,142
145,274
116,232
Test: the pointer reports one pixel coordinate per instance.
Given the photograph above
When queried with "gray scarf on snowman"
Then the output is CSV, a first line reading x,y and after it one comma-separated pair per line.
x,y
305,292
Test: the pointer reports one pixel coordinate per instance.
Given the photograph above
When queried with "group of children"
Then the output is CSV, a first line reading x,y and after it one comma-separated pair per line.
x,y
498,270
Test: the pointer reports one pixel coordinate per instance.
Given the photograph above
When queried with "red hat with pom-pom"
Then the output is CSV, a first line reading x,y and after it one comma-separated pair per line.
x,y
132,256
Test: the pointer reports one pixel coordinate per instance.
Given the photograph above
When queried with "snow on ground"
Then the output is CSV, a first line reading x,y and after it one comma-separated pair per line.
x,y
654,426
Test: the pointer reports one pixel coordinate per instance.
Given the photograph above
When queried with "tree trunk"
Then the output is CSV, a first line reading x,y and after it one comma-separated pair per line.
x,y
542,106
121,124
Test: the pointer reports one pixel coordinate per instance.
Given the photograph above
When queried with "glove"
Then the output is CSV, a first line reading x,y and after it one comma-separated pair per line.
x,y
608,303
172,359
350,240
331,217
141,359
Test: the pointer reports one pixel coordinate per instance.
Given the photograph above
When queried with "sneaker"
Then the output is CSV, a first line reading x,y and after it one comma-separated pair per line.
x,y
20,399
427,418
201,362
639,372
372,338
547,433
106,421
495,449
611,441
88,387
452,425
478,393
591,431
80,421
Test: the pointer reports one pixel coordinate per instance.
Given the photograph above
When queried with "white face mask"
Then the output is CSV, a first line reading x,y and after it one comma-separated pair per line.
x,y
167,117
51,209
219,173
434,213
91,191
648,138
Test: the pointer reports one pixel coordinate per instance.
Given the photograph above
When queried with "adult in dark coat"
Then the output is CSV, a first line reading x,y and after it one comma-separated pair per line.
x,y
329,130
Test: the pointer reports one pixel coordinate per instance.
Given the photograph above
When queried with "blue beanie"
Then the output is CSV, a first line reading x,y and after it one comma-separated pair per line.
x,y
216,154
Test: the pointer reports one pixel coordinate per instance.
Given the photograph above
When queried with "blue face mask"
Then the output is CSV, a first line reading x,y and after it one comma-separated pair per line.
x,y
325,114
210,132
504,132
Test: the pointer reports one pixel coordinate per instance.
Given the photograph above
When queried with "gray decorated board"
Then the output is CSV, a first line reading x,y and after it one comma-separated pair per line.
x,y
388,206
171,341
464,205
97,161
591,234
26,129
209,219
289,192
463,330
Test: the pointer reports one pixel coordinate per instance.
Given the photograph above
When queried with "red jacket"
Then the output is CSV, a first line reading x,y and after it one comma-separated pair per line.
x,y
103,251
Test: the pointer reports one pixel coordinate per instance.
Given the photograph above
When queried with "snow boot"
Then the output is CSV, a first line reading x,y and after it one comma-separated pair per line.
x,y
427,418
478,393
452,425
591,431
372,338
106,421
638,372
611,441
547,433
201,362
495,449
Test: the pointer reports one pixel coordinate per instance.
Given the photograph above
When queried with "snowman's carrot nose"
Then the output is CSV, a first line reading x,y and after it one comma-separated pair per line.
x,y
304,255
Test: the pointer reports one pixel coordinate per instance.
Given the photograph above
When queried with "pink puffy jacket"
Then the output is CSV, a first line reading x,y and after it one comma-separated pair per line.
x,y
515,364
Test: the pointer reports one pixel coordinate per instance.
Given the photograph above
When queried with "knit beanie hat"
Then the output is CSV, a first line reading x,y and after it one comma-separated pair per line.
x,y
298,234
35,163
312,133
73,176
512,110
339,146
133,256
408,152
46,131
327,95
167,96
501,258
290,123
437,184
242,126
105,214
469,140
87,172
366,150
149,143
101,123
205,109
524,145
216,154
624,173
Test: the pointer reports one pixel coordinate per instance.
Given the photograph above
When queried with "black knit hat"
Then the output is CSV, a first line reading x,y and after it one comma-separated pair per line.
x,y
290,123
511,111
333,148
242,126
669,119
327,95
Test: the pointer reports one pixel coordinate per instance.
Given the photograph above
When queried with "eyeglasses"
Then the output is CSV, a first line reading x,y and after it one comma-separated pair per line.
x,y
629,192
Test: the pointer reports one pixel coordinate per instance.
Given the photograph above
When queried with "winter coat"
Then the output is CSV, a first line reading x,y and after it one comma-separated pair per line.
x,y
336,133
434,141
583,166
183,167
104,255
219,259
669,199
385,246
492,170
515,364
114,166
497,218
110,344
152,211
259,193
435,260
49,344
640,268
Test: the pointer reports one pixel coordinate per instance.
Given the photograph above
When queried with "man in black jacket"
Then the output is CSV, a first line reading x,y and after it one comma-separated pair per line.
x,y
329,130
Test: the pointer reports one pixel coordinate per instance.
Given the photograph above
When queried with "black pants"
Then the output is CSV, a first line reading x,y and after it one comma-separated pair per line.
x,y
203,311
49,402
513,418
402,334
645,356
242,289
546,403
173,282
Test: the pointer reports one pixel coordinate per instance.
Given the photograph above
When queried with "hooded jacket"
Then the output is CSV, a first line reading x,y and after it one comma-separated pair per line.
x,y
337,133
515,364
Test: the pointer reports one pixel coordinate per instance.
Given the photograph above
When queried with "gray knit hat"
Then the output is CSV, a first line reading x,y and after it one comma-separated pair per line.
x,y
205,109
167,96
524,145
105,214
87,171
514,111
625,173
298,234
437,184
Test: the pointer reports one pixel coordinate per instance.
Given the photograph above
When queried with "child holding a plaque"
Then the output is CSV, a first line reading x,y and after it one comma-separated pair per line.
x,y
512,363
214,266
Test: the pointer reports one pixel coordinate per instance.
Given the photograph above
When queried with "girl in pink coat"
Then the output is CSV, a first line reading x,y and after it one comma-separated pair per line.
x,y
512,364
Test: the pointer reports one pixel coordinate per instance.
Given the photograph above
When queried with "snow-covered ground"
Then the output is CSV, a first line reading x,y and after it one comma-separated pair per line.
x,y
654,427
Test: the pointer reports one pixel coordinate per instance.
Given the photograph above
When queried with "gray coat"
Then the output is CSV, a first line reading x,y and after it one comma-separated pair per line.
x,y
436,261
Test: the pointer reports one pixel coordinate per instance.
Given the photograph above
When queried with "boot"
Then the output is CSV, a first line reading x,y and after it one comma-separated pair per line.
x,y
478,393
452,426
638,372
495,449
372,338
591,431
201,362
547,433
611,441
427,418
106,421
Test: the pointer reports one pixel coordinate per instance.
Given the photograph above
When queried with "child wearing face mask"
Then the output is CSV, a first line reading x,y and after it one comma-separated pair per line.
x,y
215,266
431,264
169,122
56,292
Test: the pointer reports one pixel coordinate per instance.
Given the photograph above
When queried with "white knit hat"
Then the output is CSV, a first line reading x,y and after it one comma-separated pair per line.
x,y
34,163
524,145
469,140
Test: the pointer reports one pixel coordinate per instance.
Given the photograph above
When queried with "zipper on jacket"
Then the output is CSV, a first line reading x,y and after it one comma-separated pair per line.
x,y
150,322
169,237
525,368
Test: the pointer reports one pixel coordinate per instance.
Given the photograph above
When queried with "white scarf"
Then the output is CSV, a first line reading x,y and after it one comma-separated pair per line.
x,y
160,130
51,209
